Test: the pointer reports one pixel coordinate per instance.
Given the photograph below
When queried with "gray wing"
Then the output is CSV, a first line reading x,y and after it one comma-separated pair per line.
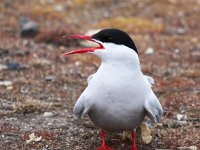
x,y
83,105
153,107
150,80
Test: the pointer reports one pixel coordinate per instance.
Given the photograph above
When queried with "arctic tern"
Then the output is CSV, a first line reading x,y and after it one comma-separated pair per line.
x,y
118,95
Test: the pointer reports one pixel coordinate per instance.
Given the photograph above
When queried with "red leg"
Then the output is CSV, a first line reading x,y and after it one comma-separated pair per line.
x,y
103,145
134,147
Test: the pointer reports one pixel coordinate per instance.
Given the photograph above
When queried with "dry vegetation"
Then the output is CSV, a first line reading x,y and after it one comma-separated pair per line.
x,y
39,88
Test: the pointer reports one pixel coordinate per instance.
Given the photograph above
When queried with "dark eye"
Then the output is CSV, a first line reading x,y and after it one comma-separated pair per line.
x,y
109,38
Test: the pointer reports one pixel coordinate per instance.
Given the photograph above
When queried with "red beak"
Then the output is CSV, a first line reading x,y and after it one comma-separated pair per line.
x,y
84,50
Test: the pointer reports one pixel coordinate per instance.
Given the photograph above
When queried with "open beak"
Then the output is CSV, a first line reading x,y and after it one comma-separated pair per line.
x,y
84,50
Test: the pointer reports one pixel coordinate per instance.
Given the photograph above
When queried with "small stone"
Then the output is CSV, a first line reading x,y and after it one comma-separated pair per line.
x,y
193,147
2,136
188,148
20,53
9,87
33,138
65,87
177,50
47,114
181,30
12,119
77,63
176,124
40,62
4,52
28,28
50,78
5,83
15,66
3,67
180,117
70,116
59,8
149,51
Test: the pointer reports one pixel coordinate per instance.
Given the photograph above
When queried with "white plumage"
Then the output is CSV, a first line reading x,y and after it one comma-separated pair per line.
x,y
118,95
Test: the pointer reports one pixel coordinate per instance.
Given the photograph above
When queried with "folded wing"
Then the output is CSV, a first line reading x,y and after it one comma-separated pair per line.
x,y
82,105
150,80
153,107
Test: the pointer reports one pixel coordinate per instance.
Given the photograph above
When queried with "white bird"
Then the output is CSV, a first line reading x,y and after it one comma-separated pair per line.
x,y
118,95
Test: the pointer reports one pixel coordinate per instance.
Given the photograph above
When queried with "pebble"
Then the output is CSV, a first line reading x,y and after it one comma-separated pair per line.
x,y
40,62
50,78
20,53
5,83
77,63
4,52
188,148
28,28
33,138
181,117
176,124
193,147
59,8
14,66
149,51
3,67
12,119
47,114
177,50
180,30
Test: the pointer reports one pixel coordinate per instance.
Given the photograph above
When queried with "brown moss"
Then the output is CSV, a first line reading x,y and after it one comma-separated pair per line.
x,y
80,2
31,106
131,24
47,12
55,36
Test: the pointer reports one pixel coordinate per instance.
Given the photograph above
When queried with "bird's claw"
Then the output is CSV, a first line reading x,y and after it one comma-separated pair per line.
x,y
134,147
104,148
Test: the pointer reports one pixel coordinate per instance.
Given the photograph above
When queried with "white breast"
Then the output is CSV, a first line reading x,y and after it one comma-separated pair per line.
x,y
118,97
116,93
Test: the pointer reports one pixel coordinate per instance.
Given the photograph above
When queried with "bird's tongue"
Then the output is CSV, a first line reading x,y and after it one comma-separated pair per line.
x,y
84,50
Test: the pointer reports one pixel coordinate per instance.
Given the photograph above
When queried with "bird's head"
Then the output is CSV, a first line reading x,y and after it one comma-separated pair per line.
x,y
113,44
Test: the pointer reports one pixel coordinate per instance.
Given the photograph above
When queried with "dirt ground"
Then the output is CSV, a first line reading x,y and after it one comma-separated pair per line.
x,y
38,86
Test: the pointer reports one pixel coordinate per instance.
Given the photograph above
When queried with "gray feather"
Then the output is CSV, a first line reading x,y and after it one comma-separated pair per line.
x,y
82,106
150,80
79,109
153,107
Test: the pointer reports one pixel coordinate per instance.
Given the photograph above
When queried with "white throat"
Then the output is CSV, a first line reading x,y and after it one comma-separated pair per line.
x,y
118,55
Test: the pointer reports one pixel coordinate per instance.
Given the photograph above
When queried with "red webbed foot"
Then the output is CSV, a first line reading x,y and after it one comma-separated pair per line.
x,y
103,146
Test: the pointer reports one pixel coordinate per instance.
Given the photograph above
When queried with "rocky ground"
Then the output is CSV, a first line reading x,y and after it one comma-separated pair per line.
x,y
38,86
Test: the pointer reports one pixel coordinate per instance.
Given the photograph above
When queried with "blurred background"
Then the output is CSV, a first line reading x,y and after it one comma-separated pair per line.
x,y
38,86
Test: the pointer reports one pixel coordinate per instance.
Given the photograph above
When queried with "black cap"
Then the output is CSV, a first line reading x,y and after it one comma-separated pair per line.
x,y
115,36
